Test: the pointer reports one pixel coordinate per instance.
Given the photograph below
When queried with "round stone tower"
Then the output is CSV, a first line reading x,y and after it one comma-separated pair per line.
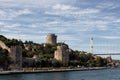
x,y
51,39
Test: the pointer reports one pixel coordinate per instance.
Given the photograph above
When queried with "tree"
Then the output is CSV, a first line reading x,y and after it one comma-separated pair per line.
x,y
4,59
99,61
56,63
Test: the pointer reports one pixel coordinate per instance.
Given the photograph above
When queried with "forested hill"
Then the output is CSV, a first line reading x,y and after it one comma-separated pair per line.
x,y
46,54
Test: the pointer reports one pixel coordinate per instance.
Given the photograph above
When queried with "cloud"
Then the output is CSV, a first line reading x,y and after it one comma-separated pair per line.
x,y
109,37
61,26
9,25
70,12
8,31
24,37
8,14
108,5
4,30
31,3
87,11
64,37
117,21
63,7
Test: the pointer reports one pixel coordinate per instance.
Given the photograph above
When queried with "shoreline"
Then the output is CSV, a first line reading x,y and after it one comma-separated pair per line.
x,y
51,70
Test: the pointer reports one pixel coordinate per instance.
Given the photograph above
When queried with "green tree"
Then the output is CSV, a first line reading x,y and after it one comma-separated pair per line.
x,y
99,61
56,63
4,59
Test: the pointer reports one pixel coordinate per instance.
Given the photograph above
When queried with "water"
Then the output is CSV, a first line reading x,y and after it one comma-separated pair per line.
x,y
107,74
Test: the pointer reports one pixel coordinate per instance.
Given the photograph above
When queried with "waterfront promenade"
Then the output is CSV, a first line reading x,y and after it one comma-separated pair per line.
x,y
50,70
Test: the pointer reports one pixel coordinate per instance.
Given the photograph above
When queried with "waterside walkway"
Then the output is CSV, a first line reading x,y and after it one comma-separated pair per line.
x,y
51,70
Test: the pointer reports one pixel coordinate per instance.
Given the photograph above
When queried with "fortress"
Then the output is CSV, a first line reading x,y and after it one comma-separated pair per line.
x,y
62,52
33,54
15,53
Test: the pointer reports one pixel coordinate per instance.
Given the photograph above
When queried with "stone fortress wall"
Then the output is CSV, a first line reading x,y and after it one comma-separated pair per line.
x,y
62,54
15,53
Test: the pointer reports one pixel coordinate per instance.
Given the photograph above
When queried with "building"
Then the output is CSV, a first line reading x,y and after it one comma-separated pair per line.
x,y
29,62
62,54
16,56
109,59
51,39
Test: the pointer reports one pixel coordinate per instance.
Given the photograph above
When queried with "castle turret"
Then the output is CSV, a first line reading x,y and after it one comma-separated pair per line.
x,y
16,56
62,54
51,39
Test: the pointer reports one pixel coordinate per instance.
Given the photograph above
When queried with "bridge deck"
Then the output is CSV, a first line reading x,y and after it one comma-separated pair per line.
x,y
109,54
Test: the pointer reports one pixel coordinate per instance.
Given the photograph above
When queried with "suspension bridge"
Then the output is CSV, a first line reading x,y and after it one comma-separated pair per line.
x,y
108,54
105,48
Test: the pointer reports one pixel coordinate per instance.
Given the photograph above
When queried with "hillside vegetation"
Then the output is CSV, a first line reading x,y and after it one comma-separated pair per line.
x,y
46,54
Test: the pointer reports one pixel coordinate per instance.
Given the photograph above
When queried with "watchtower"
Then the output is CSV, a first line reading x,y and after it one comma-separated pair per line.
x,y
16,56
51,39
62,54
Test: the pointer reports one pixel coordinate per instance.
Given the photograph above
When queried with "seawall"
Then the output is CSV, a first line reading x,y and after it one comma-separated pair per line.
x,y
48,71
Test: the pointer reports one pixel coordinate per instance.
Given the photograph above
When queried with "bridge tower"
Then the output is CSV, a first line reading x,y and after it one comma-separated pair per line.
x,y
91,45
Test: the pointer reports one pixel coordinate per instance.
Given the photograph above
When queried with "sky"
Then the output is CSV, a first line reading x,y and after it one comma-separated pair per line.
x,y
73,21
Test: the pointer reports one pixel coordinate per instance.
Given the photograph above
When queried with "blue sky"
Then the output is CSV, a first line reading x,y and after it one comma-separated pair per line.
x,y
73,21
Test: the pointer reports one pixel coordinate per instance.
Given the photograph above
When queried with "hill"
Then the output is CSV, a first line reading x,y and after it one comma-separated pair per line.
x,y
42,55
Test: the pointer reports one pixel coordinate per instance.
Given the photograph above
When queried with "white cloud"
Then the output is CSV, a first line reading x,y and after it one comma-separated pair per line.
x,y
12,25
63,7
53,22
73,12
4,30
9,25
24,37
8,14
94,22
117,20
102,27
32,3
1,23
60,26
108,5
67,38
109,37
9,31
87,11
69,10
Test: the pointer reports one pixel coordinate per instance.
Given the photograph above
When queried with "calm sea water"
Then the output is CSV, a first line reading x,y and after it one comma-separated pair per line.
x,y
106,74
